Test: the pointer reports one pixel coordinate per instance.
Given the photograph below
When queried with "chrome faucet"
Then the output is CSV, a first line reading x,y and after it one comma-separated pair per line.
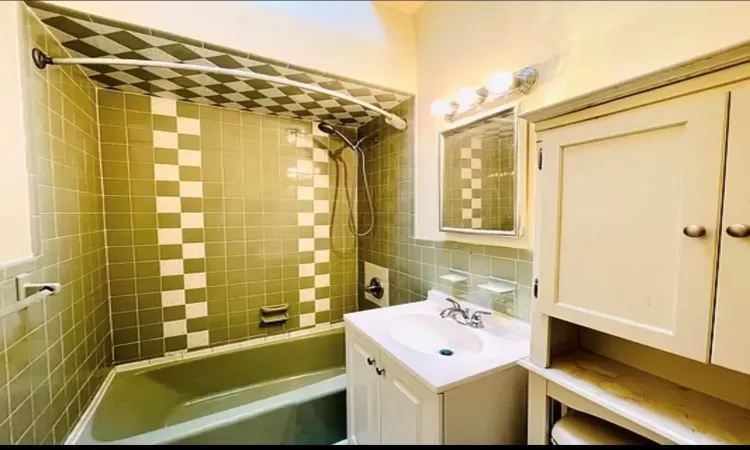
x,y
463,316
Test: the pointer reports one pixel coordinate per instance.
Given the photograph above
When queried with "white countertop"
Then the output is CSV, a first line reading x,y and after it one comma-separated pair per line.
x,y
505,341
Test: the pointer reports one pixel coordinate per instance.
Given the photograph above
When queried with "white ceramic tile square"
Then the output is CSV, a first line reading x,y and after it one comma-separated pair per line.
x,y
191,189
304,140
476,163
163,106
476,143
466,213
195,280
194,250
191,220
165,139
175,328
373,271
169,236
305,167
320,155
476,183
197,339
307,295
466,153
189,158
305,193
316,131
166,172
322,231
476,203
171,267
321,206
322,280
188,125
465,174
323,304
168,204
321,181
307,270
172,298
305,219
322,256
306,244
476,222
193,310
307,320
466,193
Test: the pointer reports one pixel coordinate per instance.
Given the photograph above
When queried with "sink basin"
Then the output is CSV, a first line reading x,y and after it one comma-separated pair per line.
x,y
430,335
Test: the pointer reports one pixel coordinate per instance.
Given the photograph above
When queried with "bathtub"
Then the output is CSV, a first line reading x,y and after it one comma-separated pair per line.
x,y
285,392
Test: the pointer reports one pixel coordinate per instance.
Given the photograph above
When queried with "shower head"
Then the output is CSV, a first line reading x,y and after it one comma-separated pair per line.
x,y
325,128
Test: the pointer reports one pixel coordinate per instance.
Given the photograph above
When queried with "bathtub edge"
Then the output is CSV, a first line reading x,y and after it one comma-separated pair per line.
x,y
85,418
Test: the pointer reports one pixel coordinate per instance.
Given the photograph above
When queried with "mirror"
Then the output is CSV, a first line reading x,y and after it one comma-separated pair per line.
x,y
481,185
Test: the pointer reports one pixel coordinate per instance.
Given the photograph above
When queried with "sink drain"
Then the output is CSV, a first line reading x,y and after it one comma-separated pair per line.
x,y
446,352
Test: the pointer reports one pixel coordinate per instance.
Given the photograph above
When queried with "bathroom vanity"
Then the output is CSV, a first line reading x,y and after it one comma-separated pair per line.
x,y
416,378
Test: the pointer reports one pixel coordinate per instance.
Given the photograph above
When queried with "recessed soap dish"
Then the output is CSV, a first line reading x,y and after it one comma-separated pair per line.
x,y
455,277
498,286
276,314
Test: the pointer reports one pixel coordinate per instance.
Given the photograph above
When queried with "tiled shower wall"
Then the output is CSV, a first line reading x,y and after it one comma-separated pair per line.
x,y
212,214
415,265
53,355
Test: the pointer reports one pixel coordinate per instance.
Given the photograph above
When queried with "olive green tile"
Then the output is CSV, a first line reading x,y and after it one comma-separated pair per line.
x,y
141,171
148,285
142,187
210,113
126,352
197,324
135,119
145,269
112,117
173,282
146,253
169,220
196,295
121,271
120,238
110,99
141,154
164,123
139,103
176,312
168,188
190,110
149,301
175,343
166,155
195,265
142,221
190,173
189,142
114,152
140,136
114,170
172,251
143,204
152,348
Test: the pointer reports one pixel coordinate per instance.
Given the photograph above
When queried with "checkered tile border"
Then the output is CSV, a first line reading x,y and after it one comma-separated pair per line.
x,y
94,37
471,182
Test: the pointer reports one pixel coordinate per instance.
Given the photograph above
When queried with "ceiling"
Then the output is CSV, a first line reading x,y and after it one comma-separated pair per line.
x,y
405,6
85,35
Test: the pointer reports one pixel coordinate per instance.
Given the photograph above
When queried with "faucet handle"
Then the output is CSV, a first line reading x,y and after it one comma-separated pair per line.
x,y
476,318
453,303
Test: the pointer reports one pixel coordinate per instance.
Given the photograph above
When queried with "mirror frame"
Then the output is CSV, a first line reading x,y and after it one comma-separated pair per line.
x,y
520,127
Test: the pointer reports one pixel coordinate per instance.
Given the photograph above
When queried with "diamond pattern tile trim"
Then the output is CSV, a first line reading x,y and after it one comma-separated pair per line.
x,y
94,37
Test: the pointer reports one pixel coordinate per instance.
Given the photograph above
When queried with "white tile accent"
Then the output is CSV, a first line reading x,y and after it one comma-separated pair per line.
x,y
322,231
307,295
171,267
466,193
476,203
305,219
320,206
166,172
307,270
197,339
189,158
304,140
465,153
193,310
195,280
307,320
173,298
305,193
194,250
163,106
306,244
476,163
165,139
175,328
322,280
465,174
168,204
187,125
323,304
305,167
170,236
476,222
320,155
191,220
466,213
191,189
476,183
316,131
322,256
321,181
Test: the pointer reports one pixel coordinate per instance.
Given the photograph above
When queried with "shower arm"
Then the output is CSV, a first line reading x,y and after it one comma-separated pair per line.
x,y
41,60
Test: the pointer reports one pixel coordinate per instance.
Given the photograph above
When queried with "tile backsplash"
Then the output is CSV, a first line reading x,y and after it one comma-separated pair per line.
x,y
213,213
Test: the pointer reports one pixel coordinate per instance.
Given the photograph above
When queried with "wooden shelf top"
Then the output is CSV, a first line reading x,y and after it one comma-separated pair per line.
x,y
680,415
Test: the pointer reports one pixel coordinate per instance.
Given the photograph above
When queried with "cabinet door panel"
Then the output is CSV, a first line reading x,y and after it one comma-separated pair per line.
x,y
411,413
616,193
732,325
363,390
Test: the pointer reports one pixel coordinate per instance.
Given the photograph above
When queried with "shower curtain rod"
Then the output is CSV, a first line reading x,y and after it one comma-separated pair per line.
x,y
41,60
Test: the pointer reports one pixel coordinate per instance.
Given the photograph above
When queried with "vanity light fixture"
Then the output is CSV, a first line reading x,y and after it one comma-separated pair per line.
x,y
497,85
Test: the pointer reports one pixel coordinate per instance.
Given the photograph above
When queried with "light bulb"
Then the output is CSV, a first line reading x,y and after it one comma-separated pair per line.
x,y
466,96
441,108
499,82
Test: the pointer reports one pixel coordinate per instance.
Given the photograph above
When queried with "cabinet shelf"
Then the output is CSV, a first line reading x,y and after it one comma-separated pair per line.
x,y
677,414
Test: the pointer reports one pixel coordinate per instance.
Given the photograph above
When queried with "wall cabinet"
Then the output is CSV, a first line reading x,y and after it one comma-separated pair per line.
x,y
631,223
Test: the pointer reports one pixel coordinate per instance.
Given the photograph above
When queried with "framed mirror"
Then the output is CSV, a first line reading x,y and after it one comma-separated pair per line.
x,y
482,174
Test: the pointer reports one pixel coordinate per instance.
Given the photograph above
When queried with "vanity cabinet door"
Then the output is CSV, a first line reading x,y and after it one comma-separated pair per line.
x,y
362,390
616,194
410,413
732,321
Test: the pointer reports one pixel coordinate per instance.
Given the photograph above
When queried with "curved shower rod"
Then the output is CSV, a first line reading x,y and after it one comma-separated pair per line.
x,y
41,60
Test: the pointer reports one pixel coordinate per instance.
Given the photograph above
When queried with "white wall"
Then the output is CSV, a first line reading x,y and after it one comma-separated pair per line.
x,y
576,46
15,222
352,38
